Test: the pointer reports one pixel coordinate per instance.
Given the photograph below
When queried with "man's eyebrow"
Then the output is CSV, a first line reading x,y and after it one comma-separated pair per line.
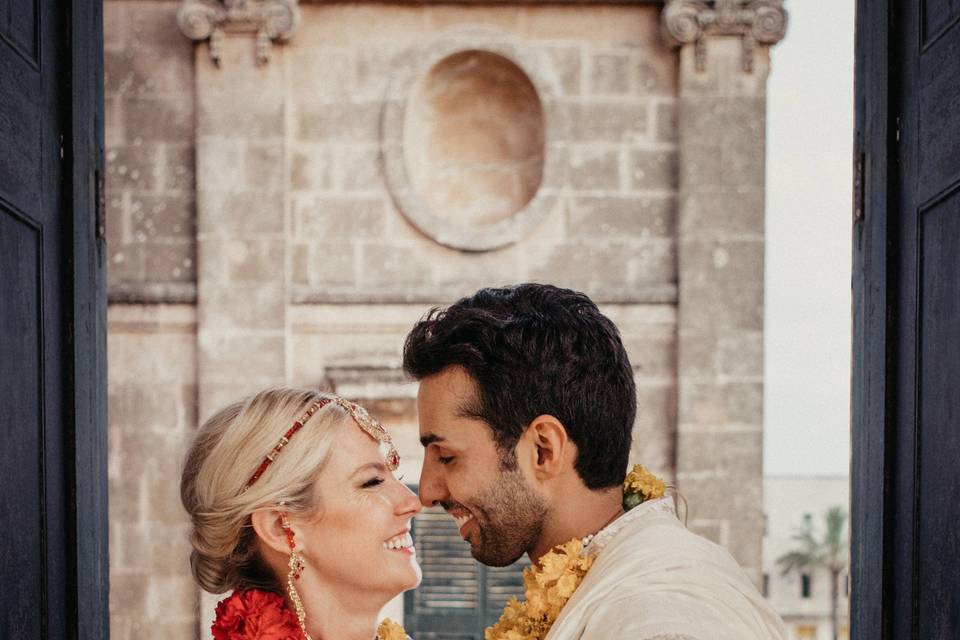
x,y
430,438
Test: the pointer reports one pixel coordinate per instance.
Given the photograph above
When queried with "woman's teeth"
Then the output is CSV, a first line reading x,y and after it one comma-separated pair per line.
x,y
403,541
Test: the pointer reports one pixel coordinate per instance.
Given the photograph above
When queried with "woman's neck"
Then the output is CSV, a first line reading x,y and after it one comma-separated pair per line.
x,y
334,614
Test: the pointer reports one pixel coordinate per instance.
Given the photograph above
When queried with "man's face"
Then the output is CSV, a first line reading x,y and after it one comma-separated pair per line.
x,y
496,509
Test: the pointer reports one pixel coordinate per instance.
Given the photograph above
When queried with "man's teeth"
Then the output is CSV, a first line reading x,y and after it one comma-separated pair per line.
x,y
403,541
462,520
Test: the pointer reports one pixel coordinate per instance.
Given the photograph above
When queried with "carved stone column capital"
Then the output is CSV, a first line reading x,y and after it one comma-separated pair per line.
x,y
270,20
755,21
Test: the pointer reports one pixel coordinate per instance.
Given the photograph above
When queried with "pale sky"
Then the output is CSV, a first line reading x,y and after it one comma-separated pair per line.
x,y
808,251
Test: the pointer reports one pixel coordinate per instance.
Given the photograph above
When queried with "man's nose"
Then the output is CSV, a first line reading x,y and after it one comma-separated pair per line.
x,y
432,489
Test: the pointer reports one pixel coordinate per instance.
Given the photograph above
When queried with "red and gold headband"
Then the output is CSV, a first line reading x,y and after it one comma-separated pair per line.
x,y
360,416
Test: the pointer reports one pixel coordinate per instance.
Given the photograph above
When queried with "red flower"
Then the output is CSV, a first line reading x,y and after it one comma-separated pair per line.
x,y
255,615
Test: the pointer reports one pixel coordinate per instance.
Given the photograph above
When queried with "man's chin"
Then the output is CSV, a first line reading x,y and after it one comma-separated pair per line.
x,y
494,557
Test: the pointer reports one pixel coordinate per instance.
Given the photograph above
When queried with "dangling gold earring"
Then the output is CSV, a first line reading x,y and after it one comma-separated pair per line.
x,y
296,566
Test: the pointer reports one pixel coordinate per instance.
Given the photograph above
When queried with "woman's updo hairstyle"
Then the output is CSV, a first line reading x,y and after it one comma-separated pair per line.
x,y
225,452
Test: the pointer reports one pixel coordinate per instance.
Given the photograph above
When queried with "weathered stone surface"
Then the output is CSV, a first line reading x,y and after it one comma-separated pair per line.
x,y
133,167
360,168
724,75
592,169
391,265
656,415
135,72
263,164
656,74
566,62
338,122
261,307
245,212
722,141
178,161
339,218
252,260
165,216
653,170
665,122
163,119
329,263
312,168
609,74
604,216
604,122
259,357
725,213
708,403
586,267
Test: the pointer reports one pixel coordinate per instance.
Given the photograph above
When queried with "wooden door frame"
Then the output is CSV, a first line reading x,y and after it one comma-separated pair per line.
x,y
873,376
85,355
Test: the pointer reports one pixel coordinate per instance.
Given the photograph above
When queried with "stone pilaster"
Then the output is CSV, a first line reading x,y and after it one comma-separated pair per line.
x,y
721,113
242,221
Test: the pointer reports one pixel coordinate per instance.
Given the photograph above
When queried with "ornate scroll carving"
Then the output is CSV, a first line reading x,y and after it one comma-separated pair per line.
x,y
270,20
755,21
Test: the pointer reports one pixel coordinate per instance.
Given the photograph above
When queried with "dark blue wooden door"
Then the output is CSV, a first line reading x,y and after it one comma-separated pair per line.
x,y
906,392
52,423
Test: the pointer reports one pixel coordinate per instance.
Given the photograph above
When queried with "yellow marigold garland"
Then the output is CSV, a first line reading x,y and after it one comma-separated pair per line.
x,y
551,582
640,485
390,630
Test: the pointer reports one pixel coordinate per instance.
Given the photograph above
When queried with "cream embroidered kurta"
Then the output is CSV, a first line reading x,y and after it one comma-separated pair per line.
x,y
654,579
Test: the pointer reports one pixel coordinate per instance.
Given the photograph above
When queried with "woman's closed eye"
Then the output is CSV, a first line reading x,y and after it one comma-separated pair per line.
x,y
372,482
444,459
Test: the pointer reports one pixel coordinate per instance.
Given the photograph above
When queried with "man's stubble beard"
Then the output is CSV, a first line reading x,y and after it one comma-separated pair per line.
x,y
510,517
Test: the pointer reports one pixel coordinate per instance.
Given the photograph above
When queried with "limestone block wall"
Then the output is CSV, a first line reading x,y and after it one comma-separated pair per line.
x,y
607,87
152,415
150,188
287,221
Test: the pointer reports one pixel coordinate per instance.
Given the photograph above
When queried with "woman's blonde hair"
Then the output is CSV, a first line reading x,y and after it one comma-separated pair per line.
x,y
225,452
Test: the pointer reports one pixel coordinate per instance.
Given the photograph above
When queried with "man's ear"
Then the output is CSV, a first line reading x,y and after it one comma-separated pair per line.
x,y
553,449
268,525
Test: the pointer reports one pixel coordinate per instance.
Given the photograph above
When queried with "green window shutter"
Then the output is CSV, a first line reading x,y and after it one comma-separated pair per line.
x,y
458,596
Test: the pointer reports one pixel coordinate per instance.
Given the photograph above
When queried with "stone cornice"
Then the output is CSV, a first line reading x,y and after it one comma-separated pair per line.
x,y
755,21
270,20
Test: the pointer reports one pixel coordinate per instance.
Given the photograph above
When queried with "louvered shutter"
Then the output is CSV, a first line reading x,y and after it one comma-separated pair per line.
x,y
458,597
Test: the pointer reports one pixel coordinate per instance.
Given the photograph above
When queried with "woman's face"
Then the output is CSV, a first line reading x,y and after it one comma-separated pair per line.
x,y
360,537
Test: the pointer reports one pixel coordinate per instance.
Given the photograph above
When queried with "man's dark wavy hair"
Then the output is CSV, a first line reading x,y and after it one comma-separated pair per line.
x,y
536,349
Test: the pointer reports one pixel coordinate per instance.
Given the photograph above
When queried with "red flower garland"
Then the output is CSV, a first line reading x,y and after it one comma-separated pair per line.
x,y
255,615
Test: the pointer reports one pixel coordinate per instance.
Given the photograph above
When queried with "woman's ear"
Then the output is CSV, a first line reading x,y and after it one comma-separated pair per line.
x,y
268,525
554,450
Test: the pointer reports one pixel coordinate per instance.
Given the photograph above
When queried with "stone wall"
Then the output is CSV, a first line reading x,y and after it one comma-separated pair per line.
x,y
150,196
287,222
152,414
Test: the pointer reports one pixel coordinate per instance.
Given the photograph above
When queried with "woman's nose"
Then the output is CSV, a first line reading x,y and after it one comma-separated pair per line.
x,y
408,504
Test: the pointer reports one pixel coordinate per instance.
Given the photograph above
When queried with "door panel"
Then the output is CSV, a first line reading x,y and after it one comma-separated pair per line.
x,y
22,552
53,538
938,509
905,551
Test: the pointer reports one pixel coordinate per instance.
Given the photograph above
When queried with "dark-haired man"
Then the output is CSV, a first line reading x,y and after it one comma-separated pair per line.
x,y
526,407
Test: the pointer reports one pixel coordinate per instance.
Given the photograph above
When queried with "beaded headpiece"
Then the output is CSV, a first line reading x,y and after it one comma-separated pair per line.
x,y
360,416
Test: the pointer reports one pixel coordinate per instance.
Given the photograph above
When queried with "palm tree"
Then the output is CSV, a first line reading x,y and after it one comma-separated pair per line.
x,y
830,553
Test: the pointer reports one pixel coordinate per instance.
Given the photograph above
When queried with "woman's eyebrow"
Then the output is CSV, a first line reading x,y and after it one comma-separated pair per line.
x,y
378,466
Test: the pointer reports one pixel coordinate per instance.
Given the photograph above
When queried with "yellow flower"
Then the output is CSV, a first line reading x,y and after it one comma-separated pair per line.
x,y
390,630
643,484
550,583
547,587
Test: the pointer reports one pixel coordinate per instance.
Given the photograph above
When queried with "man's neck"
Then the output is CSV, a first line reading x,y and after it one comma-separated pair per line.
x,y
581,513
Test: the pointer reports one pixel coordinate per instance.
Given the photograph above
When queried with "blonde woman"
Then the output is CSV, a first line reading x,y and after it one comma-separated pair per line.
x,y
296,511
